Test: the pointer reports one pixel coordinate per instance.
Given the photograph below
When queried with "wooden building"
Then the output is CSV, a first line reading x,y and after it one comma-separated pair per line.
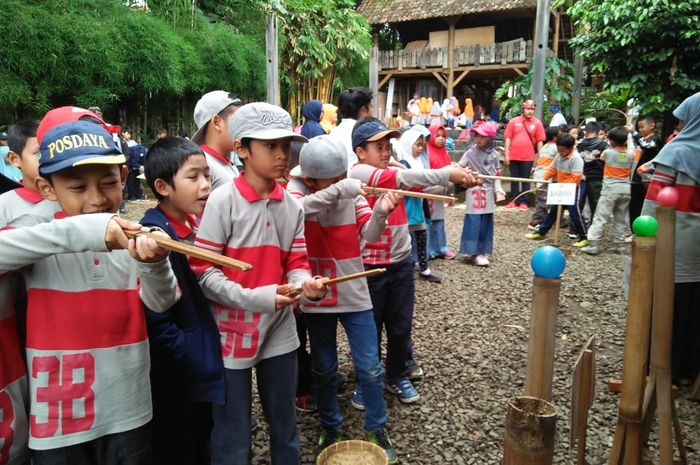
x,y
461,48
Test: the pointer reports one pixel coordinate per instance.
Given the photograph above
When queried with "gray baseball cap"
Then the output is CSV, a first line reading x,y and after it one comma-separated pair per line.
x,y
324,157
263,121
209,105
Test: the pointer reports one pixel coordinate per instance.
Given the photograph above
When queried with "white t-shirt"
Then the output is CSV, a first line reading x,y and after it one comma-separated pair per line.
x,y
343,132
557,120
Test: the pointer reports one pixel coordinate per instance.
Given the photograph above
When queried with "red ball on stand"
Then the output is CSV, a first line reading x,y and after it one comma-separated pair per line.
x,y
667,197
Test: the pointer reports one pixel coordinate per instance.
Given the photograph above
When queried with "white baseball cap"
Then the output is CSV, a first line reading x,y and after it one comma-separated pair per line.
x,y
324,157
211,103
263,121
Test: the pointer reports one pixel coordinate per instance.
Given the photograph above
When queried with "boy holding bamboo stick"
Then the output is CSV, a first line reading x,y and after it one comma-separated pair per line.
x,y
392,293
255,220
87,348
187,373
335,211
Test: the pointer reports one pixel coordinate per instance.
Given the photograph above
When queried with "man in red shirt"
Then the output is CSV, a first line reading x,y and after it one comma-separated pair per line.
x,y
524,136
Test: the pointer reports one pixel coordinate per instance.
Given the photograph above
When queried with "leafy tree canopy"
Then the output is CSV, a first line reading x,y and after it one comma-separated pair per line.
x,y
646,49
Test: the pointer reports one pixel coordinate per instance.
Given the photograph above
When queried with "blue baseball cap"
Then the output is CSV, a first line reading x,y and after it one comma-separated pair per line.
x,y
3,135
77,143
370,130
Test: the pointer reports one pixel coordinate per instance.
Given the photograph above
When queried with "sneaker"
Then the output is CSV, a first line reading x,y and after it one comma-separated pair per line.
x,y
511,205
328,436
533,225
523,207
535,236
449,255
403,388
628,239
572,235
430,277
591,249
582,243
481,260
415,372
381,438
356,401
306,403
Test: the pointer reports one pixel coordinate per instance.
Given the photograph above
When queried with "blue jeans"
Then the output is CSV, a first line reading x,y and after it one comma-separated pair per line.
x,y
361,332
393,297
277,384
437,242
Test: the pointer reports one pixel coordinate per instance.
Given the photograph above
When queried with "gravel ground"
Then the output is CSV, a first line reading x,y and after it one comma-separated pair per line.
x,y
470,335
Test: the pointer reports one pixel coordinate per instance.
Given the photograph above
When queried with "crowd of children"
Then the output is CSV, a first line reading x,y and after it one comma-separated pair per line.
x,y
116,350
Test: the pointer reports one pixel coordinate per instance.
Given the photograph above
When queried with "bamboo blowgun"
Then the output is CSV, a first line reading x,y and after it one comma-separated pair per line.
x,y
191,250
420,195
362,274
509,178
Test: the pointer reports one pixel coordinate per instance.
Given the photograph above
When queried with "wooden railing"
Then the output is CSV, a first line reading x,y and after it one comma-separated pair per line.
x,y
515,51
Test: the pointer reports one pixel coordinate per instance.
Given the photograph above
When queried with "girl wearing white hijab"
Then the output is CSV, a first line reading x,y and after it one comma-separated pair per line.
x,y
412,155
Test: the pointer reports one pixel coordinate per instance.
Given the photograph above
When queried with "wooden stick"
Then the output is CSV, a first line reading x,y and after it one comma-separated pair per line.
x,y
509,178
362,274
420,195
191,250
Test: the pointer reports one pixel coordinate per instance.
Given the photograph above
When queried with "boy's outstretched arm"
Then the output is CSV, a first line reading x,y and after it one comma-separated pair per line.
x,y
30,239
320,200
371,227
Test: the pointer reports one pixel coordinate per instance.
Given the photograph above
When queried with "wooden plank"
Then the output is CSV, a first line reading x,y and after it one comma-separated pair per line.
x,y
440,79
384,80
461,76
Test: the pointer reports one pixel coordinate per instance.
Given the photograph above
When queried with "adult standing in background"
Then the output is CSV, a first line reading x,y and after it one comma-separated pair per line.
x,y
524,136
312,113
354,104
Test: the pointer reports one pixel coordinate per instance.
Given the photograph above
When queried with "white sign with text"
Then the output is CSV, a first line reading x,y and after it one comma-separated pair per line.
x,y
561,194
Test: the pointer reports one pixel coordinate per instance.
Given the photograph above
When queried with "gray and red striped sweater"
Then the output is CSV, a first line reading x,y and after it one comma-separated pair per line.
x,y
269,234
87,348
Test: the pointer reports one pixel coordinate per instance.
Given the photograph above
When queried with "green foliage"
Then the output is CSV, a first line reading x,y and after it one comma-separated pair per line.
x,y
646,49
100,52
558,81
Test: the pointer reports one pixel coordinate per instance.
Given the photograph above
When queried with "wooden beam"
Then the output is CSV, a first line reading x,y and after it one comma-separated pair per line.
x,y
461,76
490,67
517,71
374,73
451,23
440,79
384,80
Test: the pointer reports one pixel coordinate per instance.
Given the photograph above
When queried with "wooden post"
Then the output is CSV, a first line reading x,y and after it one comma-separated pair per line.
x,y
659,385
530,432
451,23
582,396
271,52
555,39
576,94
557,227
374,75
627,445
390,100
539,64
540,349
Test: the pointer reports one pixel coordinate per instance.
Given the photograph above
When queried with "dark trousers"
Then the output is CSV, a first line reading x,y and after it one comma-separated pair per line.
x,y
637,194
393,297
575,218
419,248
685,349
520,169
133,185
593,189
305,383
128,448
181,428
231,436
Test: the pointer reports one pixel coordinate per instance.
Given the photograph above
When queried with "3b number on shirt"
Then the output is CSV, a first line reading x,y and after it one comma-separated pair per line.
x,y
62,385
478,200
327,269
7,434
241,332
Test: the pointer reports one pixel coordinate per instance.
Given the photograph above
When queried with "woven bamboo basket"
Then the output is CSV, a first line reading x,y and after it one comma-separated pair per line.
x,y
352,452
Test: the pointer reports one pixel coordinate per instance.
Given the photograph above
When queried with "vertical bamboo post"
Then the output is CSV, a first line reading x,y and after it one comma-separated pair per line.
x,y
557,227
271,48
543,323
662,327
627,446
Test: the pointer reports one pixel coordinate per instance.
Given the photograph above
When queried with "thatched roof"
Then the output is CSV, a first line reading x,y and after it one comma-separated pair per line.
x,y
397,11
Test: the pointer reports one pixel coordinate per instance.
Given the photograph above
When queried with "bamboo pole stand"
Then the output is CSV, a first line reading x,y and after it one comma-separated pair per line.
x,y
658,398
543,325
627,445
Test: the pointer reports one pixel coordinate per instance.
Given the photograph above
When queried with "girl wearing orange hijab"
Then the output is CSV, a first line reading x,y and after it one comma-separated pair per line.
x,y
468,112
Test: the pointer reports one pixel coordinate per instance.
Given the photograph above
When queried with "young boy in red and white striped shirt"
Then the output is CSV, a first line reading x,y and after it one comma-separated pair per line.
x,y
253,219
